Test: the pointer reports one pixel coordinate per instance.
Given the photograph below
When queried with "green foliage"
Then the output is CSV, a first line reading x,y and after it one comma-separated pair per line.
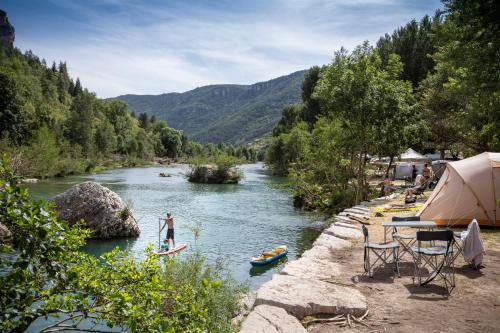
x,y
210,296
362,107
462,99
413,43
36,265
14,120
45,276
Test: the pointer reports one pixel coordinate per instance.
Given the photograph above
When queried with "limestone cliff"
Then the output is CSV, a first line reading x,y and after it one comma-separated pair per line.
x,y
7,32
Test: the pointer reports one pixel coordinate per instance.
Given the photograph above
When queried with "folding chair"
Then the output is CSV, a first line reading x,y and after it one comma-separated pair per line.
x,y
405,239
430,254
380,250
458,244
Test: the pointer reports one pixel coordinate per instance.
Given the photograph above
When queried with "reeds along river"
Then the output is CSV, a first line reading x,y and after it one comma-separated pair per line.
x,y
237,221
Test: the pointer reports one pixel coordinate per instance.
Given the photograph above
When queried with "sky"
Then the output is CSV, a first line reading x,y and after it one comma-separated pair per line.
x,y
121,47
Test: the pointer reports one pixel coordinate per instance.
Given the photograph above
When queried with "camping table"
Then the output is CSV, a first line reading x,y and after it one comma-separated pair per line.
x,y
408,224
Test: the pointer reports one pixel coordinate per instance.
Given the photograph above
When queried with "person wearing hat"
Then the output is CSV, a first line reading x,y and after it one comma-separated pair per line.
x,y
169,222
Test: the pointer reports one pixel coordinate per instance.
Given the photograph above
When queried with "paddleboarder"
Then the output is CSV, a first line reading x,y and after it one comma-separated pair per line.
x,y
169,222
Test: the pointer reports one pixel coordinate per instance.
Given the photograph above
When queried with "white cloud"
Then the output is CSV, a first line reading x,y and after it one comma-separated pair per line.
x,y
156,50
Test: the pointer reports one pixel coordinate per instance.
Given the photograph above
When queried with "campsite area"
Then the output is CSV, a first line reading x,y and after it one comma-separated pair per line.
x,y
398,305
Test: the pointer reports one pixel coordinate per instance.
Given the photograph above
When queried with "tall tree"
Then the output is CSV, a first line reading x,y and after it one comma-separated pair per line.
x,y
14,122
366,98
465,88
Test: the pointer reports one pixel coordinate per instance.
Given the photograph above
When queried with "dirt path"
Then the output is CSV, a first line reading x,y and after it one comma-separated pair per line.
x,y
398,305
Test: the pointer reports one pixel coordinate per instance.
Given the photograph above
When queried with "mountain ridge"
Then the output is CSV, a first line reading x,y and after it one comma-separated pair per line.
x,y
230,113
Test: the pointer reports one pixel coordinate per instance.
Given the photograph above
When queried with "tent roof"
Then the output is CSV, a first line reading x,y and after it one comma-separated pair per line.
x,y
412,155
468,189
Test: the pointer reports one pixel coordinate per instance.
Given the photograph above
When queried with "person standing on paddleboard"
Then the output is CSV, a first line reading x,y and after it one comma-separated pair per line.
x,y
169,221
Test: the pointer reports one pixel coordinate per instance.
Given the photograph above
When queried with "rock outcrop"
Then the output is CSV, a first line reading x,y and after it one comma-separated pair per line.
x,y
103,210
306,297
271,319
7,32
211,174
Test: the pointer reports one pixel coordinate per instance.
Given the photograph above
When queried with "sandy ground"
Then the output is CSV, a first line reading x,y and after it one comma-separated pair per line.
x,y
397,305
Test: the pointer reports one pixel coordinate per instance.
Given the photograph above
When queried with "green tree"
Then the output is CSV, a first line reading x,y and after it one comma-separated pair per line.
x,y
367,98
466,81
80,122
311,109
415,45
13,119
105,138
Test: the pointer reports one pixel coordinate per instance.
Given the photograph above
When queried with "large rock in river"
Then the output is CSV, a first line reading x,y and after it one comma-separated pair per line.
x,y
212,174
103,210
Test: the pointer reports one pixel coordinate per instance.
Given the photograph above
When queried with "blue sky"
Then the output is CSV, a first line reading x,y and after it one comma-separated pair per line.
x,y
150,47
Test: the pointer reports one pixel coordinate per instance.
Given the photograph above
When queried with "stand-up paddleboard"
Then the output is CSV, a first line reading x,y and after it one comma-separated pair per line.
x,y
176,249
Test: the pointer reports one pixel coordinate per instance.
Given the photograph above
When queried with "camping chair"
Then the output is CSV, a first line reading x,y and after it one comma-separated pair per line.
x,y
405,239
427,257
421,190
380,250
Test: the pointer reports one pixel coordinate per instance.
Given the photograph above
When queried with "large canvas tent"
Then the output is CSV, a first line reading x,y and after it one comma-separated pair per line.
x,y
468,189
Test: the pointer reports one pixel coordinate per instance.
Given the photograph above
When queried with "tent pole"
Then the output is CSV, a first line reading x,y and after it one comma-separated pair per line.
x,y
159,232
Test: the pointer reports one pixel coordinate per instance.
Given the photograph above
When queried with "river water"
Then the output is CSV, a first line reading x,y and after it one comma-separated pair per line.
x,y
237,221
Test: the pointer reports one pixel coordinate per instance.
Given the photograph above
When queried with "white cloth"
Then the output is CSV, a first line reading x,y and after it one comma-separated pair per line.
x,y
473,248
418,181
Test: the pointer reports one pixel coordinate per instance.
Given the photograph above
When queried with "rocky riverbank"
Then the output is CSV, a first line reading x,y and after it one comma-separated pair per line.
x,y
307,288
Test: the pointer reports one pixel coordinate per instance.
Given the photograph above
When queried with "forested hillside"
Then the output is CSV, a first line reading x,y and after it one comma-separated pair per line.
x,y
51,126
233,114
430,85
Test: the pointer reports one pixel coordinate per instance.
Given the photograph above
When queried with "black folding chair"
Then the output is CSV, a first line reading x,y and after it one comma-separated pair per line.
x,y
380,250
405,239
427,257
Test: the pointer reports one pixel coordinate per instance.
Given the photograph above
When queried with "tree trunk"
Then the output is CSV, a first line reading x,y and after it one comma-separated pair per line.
x,y
389,167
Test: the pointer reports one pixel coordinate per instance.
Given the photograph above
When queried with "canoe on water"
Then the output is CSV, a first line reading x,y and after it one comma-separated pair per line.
x,y
268,257
173,250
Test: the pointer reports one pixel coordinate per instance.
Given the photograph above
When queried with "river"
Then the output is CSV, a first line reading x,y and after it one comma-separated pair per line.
x,y
237,221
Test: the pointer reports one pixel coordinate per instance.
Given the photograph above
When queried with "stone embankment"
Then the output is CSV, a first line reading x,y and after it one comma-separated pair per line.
x,y
306,286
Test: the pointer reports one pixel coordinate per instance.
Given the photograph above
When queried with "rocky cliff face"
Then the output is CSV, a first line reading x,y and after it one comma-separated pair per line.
x,y
102,210
7,32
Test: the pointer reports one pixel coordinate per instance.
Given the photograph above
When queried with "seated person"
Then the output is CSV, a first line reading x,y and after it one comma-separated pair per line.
x,y
420,184
387,187
164,246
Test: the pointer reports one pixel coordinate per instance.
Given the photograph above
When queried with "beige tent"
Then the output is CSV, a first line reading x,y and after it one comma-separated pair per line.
x,y
469,189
